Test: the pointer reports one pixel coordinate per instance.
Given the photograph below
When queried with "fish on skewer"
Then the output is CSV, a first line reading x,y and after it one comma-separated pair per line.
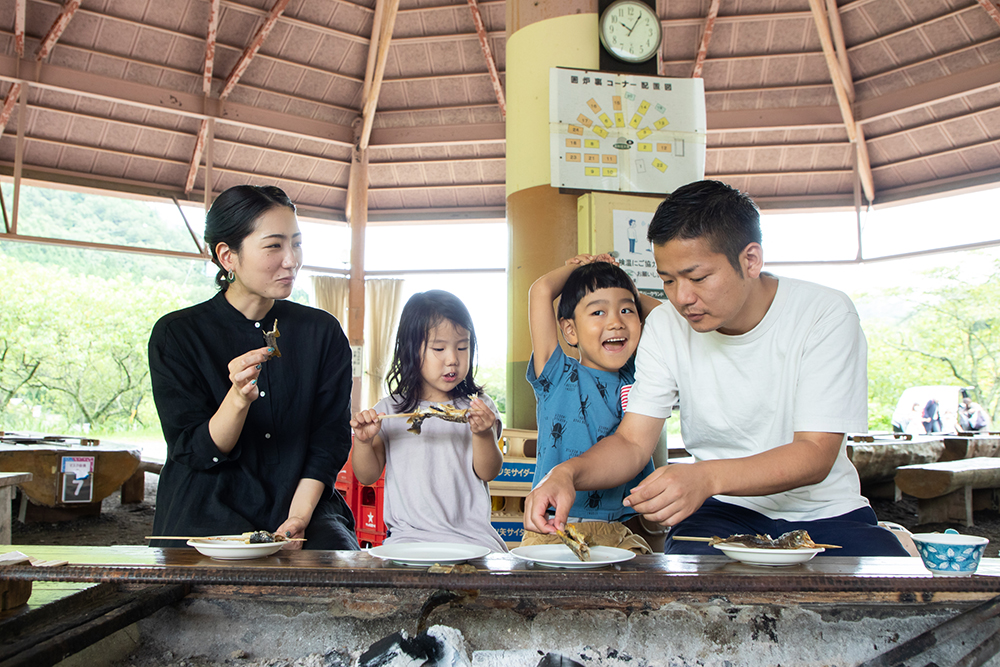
x,y
574,539
271,338
448,413
796,539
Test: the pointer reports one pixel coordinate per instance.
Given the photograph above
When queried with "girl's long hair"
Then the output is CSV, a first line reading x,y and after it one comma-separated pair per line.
x,y
423,312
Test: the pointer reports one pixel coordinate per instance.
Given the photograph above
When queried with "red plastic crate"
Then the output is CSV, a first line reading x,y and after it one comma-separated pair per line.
x,y
365,502
370,517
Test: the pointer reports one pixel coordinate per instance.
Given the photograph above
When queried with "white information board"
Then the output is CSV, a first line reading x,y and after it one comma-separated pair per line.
x,y
635,254
625,132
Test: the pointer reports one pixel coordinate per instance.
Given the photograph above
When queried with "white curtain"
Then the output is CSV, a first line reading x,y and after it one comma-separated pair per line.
x,y
331,296
384,302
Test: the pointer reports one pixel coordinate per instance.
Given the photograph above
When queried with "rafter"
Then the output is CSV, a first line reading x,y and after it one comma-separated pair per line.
x,y
19,9
484,43
991,9
844,101
371,102
56,31
234,76
706,38
211,34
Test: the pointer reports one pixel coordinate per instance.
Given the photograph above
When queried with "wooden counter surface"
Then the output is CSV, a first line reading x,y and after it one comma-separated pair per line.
x,y
903,579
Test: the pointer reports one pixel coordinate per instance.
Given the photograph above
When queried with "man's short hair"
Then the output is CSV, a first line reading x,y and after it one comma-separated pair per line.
x,y
589,278
727,218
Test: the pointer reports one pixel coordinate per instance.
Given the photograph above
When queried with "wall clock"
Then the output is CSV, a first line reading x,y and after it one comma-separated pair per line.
x,y
630,31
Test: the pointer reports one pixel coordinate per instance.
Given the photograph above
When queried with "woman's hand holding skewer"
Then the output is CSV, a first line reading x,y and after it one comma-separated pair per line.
x,y
226,424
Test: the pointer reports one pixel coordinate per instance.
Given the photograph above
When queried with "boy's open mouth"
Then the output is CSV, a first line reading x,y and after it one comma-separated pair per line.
x,y
614,344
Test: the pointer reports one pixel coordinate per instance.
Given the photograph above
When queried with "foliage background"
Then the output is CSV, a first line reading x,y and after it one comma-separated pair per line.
x,y
74,323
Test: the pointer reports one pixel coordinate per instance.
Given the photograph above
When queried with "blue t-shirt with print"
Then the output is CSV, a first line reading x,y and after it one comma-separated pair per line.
x,y
577,406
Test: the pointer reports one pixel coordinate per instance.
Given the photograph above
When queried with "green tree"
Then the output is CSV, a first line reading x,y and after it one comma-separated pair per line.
x,y
951,335
76,345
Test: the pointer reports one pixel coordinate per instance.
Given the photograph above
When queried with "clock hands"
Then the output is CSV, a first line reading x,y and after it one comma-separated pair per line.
x,y
633,26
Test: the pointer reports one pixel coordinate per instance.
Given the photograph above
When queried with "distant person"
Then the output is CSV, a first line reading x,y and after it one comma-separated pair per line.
x,y
435,480
971,416
770,375
915,423
580,401
931,417
254,440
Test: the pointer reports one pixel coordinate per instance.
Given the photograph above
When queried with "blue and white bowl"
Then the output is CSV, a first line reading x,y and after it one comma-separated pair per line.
x,y
949,554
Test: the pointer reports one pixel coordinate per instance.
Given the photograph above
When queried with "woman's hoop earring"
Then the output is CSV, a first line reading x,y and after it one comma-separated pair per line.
x,y
230,277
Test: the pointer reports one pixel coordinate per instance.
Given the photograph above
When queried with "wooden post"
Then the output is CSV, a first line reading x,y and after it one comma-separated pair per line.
x,y
357,209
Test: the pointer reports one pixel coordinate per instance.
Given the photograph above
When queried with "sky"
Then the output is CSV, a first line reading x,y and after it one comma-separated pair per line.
x,y
787,237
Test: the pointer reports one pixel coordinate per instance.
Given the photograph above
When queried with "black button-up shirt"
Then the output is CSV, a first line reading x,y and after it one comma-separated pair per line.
x,y
297,428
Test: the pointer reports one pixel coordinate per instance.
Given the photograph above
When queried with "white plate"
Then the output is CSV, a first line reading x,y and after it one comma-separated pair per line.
x,y
423,554
772,557
232,547
559,555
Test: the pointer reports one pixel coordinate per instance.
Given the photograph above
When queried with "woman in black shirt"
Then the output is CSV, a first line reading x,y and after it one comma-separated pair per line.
x,y
254,440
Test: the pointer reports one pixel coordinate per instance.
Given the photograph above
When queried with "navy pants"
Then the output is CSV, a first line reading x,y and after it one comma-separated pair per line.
x,y
856,532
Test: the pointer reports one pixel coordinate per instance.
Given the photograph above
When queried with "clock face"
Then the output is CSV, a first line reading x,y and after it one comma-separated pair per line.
x,y
630,31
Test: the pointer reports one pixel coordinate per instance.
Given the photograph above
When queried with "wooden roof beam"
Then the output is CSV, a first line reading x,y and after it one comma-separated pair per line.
x,y
844,101
251,50
56,31
382,56
706,37
991,9
210,37
19,9
491,65
241,66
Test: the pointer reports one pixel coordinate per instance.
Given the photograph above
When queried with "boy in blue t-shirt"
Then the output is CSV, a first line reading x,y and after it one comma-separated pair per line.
x,y
581,401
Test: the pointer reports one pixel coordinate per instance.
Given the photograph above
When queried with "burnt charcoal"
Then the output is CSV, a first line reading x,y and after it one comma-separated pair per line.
x,y
558,660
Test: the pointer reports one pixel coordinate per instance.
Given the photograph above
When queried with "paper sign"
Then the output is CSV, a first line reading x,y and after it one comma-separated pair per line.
x,y
80,466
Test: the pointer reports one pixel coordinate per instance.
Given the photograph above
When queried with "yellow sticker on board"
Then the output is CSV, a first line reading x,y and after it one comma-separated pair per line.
x,y
606,119
643,107
600,131
591,143
645,147
643,133
659,165
660,124
591,171
610,172
619,120
636,119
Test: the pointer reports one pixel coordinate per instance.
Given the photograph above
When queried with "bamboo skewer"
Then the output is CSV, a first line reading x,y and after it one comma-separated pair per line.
x,y
224,539
685,538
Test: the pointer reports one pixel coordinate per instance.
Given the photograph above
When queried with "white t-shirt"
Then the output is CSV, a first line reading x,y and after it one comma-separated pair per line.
x,y
802,368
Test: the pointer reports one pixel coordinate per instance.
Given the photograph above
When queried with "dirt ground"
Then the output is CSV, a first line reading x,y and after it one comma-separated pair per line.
x,y
130,524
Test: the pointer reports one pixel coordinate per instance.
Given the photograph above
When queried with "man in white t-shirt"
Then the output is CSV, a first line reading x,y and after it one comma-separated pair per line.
x,y
770,375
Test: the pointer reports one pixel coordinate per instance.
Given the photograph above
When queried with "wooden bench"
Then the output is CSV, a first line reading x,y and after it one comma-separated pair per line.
x,y
134,488
949,491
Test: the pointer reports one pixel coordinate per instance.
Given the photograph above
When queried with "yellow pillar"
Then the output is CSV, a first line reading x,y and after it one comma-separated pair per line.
x,y
541,222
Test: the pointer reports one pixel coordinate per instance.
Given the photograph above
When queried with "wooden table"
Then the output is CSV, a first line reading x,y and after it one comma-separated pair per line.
x,y
52,486
8,480
861,578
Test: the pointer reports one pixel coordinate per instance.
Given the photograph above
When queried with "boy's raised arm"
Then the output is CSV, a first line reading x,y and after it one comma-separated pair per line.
x,y
542,323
